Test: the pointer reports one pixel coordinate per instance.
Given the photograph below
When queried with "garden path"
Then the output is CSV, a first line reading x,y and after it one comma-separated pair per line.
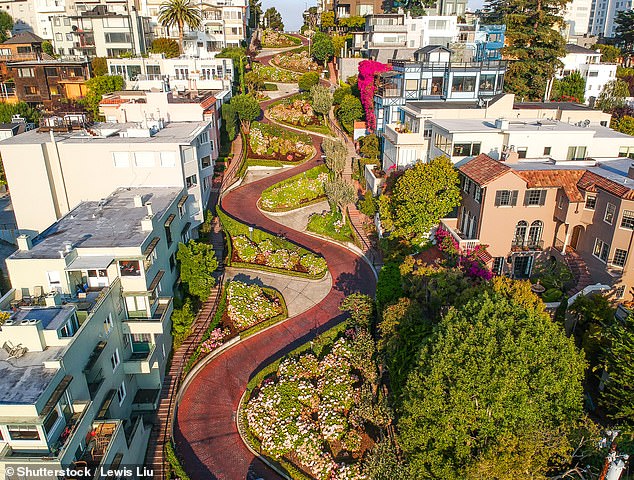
x,y
205,431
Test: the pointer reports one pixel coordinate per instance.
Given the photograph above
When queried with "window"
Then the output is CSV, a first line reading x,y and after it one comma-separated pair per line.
x,y
118,37
520,232
619,291
601,250
560,202
120,159
535,197
442,143
628,220
411,85
535,233
498,264
437,85
144,159
191,181
506,198
591,202
58,37
610,210
477,194
626,152
23,432
203,138
50,420
487,82
69,37
50,71
136,304
547,150
168,234
466,185
576,153
129,268
463,84
205,162
30,90
466,149
115,360
620,257
521,152
121,393
168,159
66,21
108,323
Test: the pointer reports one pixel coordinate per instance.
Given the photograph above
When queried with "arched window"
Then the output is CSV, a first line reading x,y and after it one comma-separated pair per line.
x,y
520,232
535,232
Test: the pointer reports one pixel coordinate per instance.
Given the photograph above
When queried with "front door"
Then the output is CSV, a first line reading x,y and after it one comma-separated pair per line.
x,y
522,266
576,233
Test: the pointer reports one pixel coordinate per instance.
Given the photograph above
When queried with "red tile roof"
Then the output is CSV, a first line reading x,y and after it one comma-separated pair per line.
x,y
591,181
483,169
113,101
566,179
359,125
207,102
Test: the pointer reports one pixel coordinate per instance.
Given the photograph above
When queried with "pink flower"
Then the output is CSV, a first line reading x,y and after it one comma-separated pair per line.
x,y
368,69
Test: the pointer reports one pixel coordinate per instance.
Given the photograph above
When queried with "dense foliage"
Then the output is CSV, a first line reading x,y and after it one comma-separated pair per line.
x,y
197,264
247,108
97,87
178,13
7,110
308,81
613,95
323,49
273,19
6,25
167,46
571,88
368,69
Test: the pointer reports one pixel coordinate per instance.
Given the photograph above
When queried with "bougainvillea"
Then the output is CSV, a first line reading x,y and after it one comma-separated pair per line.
x,y
468,261
368,69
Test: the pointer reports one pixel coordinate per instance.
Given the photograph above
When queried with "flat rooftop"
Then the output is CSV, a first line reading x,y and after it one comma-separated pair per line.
x,y
552,106
615,170
111,223
451,104
51,318
528,125
174,132
24,379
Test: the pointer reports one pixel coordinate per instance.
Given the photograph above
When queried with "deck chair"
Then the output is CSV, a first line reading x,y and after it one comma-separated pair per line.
x,y
38,293
17,298
26,296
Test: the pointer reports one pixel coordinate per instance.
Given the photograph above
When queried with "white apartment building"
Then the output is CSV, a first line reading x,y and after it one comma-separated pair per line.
x,y
89,333
588,63
23,13
181,73
58,166
577,16
603,14
461,139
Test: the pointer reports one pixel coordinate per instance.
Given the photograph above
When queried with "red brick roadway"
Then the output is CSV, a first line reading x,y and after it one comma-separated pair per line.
x,y
205,430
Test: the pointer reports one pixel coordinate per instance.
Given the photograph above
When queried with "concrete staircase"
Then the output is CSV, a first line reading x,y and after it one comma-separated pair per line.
x,y
579,271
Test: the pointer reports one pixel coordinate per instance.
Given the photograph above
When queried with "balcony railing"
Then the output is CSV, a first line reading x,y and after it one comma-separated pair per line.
x,y
388,28
154,324
464,244
529,245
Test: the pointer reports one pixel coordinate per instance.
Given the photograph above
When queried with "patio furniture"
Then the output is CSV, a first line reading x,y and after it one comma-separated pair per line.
x,y
17,299
26,297
38,294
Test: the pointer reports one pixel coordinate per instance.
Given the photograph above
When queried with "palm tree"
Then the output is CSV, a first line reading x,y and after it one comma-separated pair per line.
x,y
178,13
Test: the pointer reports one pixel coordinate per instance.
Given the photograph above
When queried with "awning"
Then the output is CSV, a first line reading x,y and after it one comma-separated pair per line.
x,y
94,262
182,201
57,394
103,410
169,220
151,246
156,280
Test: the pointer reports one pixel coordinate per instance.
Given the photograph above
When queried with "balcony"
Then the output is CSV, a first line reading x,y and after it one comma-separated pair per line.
x,y
399,134
156,323
388,28
99,440
465,244
141,359
528,245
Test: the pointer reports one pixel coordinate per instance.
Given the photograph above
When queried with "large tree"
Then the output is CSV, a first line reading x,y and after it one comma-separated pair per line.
x,y
609,53
350,110
97,87
533,42
340,194
613,95
496,391
255,13
571,88
247,108
322,100
229,120
197,263
178,13
323,49
273,19
618,396
7,110
336,154
421,196
166,46
624,32
6,25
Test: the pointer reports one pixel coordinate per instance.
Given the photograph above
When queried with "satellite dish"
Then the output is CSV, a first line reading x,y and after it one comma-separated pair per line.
x,y
586,122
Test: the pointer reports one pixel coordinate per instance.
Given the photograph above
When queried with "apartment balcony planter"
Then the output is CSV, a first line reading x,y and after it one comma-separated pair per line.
x,y
398,134
374,179
464,244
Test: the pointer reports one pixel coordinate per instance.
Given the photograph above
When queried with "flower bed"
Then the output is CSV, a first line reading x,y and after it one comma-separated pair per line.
x,y
331,225
274,74
297,112
273,39
262,251
296,61
275,143
248,305
295,192
306,412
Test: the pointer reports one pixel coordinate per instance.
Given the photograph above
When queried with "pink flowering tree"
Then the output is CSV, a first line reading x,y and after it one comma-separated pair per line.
x,y
468,261
368,69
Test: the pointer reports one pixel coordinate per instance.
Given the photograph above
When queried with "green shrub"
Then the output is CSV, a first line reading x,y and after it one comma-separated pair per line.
x,y
552,295
174,462
389,287
308,81
368,205
330,224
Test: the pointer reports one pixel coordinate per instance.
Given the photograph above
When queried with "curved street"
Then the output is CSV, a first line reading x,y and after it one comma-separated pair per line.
x,y
205,430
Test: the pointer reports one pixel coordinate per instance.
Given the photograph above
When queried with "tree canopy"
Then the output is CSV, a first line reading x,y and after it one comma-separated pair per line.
x,y
341,194
495,392
166,46
99,66
6,25
350,110
197,263
609,53
7,110
255,12
307,81
247,109
532,40
322,49
178,13
336,154
273,19
421,196
571,88
613,95
624,32
322,99
97,87
229,120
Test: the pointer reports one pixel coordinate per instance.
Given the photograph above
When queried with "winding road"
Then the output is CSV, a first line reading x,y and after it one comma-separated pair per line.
x,y
205,430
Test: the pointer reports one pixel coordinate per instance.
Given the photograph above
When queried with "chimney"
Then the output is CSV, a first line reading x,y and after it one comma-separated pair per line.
x,y
138,201
147,223
53,299
24,243
150,213
502,124
509,155
630,174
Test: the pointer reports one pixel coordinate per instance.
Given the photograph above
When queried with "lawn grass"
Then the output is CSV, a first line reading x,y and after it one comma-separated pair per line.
x,y
270,87
324,225
324,128
293,192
